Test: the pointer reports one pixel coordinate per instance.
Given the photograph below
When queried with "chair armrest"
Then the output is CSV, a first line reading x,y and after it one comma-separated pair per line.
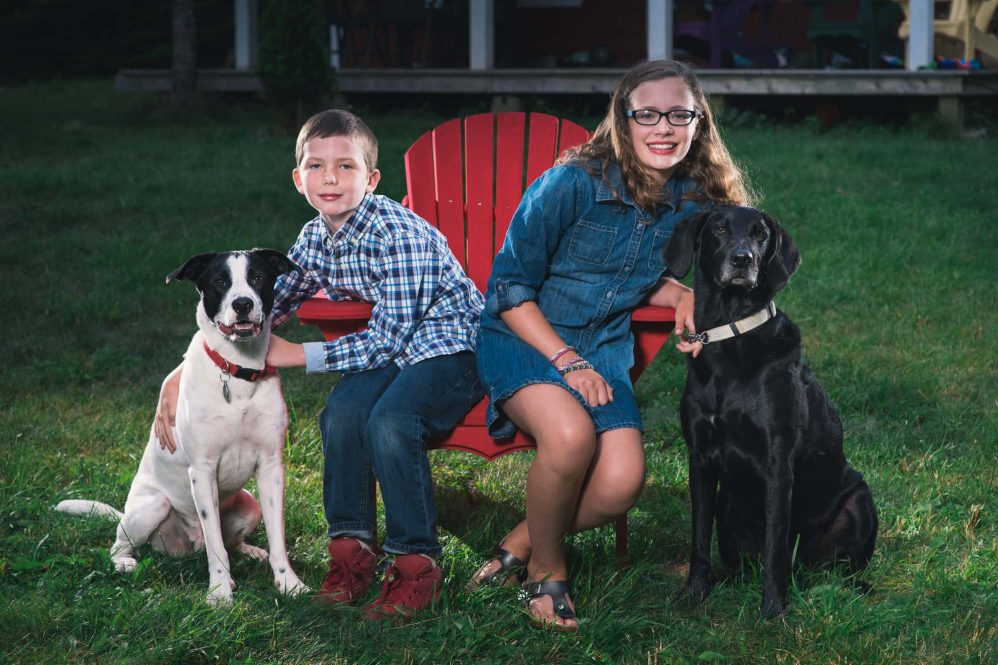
x,y
335,318
653,314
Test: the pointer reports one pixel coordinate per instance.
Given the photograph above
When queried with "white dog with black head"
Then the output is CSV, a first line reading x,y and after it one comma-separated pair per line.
x,y
231,422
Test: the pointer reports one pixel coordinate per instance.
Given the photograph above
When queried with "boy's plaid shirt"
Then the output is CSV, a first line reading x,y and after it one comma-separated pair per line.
x,y
424,303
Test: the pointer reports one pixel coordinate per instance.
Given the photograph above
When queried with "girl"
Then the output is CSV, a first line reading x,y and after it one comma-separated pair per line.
x,y
584,248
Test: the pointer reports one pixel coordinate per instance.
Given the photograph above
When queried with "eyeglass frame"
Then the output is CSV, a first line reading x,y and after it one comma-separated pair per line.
x,y
694,114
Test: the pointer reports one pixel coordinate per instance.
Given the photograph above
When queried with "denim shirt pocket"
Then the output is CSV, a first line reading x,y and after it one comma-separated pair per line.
x,y
592,243
656,259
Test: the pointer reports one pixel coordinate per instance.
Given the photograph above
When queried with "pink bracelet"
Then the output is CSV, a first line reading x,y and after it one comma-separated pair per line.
x,y
562,351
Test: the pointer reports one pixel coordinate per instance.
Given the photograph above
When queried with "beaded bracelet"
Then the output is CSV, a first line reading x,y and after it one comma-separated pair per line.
x,y
574,361
571,367
559,353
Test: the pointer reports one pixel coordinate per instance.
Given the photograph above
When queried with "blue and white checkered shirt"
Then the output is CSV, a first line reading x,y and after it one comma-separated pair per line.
x,y
424,304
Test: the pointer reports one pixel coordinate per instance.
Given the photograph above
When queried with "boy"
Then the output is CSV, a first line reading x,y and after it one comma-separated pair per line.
x,y
409,378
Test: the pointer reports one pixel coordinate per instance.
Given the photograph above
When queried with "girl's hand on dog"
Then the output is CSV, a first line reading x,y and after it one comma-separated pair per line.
x,y
166,411
590,385
684,322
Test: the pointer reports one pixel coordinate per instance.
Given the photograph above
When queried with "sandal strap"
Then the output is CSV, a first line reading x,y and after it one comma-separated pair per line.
x,y
557,589
510,562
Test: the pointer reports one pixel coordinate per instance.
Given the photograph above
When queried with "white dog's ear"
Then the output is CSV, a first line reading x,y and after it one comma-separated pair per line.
x,y
278,261
192,268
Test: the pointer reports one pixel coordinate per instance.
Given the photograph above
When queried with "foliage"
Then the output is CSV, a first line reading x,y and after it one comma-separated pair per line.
x,y
294,61
42,39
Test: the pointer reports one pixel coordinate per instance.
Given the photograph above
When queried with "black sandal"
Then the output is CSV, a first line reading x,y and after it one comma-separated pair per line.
x,y
558,590
512,570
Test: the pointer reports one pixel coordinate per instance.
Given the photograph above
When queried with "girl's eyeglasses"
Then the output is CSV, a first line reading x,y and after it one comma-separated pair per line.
x,y
676,117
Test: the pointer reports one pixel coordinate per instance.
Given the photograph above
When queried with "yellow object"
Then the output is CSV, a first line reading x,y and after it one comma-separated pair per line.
x,y
968,22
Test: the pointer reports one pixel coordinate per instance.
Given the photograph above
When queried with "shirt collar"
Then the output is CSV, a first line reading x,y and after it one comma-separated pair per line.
x,y
355,227
611,188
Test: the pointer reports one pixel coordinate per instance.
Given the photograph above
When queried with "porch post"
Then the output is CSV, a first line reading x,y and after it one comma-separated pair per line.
x,y
659,36
246,12
920,35
481,33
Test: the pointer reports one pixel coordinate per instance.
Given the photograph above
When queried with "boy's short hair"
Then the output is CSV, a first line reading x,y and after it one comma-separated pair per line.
x,y
339,123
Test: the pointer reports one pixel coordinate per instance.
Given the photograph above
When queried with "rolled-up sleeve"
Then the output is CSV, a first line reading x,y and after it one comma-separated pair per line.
x,y
548,208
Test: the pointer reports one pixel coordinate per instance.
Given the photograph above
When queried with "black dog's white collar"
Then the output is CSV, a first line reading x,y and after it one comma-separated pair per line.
x,y
739,327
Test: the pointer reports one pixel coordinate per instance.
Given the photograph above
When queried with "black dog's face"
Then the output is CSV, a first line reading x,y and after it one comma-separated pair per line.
x,y
734,241
736,248
237,288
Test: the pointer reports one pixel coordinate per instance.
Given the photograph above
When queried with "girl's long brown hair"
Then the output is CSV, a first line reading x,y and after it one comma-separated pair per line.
x,y
708,161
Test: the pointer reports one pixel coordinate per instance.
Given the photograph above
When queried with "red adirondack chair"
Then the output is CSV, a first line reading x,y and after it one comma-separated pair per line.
x,y
472,206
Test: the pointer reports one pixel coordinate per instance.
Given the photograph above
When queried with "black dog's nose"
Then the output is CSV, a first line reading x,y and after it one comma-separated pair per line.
x,y
243,306
741,258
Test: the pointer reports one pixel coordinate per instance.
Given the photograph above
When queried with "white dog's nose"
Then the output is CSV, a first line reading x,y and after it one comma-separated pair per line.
x,y
242,306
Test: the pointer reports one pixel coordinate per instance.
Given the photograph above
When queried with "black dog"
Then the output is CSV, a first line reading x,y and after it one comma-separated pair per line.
x,y
765,442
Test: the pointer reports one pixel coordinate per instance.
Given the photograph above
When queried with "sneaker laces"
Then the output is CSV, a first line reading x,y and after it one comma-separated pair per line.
x,y
340,574
393,580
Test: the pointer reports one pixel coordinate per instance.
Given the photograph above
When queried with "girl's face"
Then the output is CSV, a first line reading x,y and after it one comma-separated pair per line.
x,y
661,147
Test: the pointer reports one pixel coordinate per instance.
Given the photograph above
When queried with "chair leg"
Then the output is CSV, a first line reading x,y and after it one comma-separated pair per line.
x,y
621,538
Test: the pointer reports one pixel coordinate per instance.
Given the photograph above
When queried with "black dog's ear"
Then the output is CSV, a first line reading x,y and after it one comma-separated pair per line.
x,y
192,268
684,243
278,261
783,257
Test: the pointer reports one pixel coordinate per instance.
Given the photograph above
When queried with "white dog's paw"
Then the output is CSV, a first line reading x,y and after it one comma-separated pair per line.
x,y
290,585
125,564
221,595
253,552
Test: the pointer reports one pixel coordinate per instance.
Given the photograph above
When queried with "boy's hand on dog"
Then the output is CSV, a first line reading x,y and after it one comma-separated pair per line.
x,y
166,411
283,353
684,322
590,385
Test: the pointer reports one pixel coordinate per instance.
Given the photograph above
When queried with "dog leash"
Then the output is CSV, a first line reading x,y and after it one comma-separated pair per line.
x,y
232,369
737,328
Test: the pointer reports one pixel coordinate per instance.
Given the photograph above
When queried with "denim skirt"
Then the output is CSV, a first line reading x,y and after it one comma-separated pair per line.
x,y
506,364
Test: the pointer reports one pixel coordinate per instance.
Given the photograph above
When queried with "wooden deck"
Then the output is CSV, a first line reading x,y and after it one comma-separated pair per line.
x,y
600,81
948,87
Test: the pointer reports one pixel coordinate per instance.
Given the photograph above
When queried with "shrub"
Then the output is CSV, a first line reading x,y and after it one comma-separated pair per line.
x,y
294,59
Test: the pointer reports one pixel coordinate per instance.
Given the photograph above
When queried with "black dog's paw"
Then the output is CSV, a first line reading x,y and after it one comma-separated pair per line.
x,y
694,592
773,607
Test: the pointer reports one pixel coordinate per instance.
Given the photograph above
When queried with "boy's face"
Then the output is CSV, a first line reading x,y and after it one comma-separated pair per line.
x,y
334,178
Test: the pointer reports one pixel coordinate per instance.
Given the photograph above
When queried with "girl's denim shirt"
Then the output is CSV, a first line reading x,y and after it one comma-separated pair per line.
x,y
580,247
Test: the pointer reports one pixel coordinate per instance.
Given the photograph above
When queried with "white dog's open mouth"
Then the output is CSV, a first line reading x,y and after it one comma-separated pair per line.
x,y
241,329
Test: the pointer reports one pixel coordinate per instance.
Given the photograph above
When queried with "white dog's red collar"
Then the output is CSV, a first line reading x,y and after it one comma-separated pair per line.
x,y
244,373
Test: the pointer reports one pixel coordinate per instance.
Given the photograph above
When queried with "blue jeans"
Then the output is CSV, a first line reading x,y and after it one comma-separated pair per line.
x,y
377,424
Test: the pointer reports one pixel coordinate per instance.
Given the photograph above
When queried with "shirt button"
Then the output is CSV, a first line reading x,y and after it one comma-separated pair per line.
x,y
609,294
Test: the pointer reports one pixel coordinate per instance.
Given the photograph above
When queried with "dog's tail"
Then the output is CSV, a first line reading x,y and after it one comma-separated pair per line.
x,y
87,507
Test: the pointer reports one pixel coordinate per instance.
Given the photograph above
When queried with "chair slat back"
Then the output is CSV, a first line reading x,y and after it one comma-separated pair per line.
x,y
419,179
511,132
472,206
479,153
449,181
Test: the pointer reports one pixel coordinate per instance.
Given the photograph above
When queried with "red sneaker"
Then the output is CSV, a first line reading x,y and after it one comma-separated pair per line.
x,y
412,583
351,569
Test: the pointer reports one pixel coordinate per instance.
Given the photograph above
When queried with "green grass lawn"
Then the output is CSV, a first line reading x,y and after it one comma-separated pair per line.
x,y
102,195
